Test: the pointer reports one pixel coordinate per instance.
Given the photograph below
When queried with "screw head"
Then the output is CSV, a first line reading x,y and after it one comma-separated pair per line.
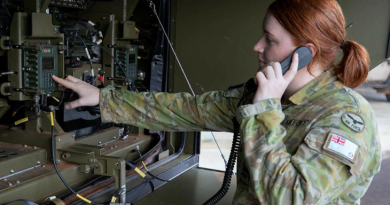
x,y
58,139
25,145
58,161
10,184
35,147
12,171
38,162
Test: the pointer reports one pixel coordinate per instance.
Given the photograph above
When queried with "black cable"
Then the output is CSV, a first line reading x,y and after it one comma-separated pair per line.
x,y
129,87
132,126
17,110
89,58
251,88
147,171
26,119
116,61
79,19
53,153
63,95
147,179
229,167
142,86
53,150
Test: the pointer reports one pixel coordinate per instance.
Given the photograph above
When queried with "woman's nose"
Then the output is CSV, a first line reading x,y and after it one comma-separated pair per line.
x,y
258,47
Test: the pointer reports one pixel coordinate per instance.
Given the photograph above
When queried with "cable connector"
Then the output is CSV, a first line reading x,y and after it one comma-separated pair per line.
x,y
26,119
117,194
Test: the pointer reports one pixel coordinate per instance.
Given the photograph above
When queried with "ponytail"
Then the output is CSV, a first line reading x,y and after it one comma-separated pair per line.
x,y
354,66
322,23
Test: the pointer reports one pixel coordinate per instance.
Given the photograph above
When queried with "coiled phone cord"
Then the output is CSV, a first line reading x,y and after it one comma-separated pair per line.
x,y
229,167
250,89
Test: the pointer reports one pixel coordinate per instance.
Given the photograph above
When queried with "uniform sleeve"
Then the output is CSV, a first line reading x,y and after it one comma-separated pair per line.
x,y
169,112
315,174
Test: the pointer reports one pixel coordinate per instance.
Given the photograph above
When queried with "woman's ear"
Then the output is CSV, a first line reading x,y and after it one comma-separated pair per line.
x,y
312,48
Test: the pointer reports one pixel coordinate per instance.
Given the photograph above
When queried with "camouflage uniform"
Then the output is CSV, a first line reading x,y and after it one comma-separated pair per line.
x,y
290,154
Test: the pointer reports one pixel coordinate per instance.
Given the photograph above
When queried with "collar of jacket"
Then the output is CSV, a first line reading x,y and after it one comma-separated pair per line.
x,y
313,86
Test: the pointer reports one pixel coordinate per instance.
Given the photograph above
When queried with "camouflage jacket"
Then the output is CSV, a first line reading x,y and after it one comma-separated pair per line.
x,y
320,148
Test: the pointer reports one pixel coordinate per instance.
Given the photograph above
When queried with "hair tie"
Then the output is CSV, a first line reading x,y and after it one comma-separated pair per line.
x,y
343,44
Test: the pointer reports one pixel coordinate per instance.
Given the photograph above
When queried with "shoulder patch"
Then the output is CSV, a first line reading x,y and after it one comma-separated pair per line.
x,y
353,121
342,146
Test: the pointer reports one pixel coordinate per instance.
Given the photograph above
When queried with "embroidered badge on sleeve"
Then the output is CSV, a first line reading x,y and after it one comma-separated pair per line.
x,y
342,147
353,121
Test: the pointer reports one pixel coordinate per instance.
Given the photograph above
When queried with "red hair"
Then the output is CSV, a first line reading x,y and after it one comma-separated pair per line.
x,y
322,23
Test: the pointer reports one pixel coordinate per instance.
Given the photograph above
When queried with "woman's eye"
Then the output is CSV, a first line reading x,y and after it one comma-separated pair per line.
x,y
269,40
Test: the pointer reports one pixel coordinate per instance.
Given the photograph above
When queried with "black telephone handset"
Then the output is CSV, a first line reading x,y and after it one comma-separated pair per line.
x,y
304,56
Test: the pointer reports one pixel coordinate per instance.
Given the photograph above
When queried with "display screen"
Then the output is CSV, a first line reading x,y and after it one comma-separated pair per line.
x,y
131,59
47,63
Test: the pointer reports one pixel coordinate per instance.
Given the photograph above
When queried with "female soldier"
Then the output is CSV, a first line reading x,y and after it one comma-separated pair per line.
x,y
307,137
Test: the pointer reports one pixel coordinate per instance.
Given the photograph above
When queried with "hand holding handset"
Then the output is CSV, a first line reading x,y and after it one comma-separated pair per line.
x,y
304,55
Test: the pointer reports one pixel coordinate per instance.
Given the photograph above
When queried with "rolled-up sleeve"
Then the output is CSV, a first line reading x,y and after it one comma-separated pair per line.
x,y
169,112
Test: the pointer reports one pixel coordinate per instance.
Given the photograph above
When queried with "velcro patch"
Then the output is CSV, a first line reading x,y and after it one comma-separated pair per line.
x,y
353,121
342,146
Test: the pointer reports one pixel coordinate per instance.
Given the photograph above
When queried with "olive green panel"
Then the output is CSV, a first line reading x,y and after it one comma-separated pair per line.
x,y
3,107
43,27
214,42
19,30
15,158
371,26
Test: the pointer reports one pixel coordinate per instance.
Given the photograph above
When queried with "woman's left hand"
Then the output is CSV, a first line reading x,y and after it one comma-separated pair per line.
x,y
271,83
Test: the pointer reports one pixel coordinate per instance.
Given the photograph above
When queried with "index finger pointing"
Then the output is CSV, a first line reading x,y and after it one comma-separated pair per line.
x,y
73,79
64,83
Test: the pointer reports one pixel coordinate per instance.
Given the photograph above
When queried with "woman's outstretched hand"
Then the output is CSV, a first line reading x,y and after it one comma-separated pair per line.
x,y
271,83
88,94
